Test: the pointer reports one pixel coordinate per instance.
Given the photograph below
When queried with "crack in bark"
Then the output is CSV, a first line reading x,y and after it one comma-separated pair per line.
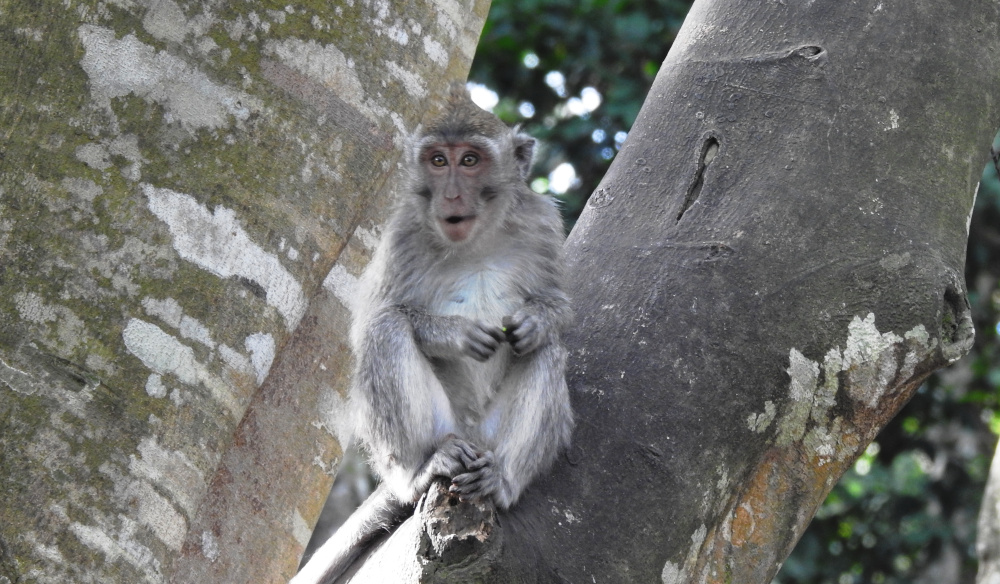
x,y
708,153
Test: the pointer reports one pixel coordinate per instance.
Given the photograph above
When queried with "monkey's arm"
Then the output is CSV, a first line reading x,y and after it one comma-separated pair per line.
x,y
452,336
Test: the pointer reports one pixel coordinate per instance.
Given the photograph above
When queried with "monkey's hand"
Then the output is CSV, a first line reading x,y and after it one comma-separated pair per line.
x,y
481,340
451,337
482,481
525,331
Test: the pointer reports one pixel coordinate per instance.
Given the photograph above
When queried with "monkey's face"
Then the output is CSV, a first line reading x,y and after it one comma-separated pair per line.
x,y
457,179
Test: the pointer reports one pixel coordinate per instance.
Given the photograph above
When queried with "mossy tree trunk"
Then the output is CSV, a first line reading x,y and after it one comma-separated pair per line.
x,y
185,192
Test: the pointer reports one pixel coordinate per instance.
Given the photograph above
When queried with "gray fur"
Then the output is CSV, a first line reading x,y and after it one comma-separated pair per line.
x,y
430,306
439,389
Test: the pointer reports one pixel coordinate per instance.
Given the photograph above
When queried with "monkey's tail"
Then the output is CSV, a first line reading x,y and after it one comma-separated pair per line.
x,y
380,512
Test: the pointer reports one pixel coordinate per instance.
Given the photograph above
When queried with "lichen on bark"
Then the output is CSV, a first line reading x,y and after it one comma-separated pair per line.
x,y
176,182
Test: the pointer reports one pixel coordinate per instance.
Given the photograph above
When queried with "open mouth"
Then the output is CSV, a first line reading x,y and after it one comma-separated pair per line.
x,y
458,227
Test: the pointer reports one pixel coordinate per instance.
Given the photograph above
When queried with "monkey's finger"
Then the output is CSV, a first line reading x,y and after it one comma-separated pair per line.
x,y
465,452
527,345
479,463
466,493
529,326
460,453
479,353
469,485
498,335
475,486
493,342
528,339
489,335
468,448
517,321
470,493
442,464
481,349
463,480
450,458
524,329
468,488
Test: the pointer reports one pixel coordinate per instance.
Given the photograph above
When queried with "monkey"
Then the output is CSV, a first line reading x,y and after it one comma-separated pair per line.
x,y
459,363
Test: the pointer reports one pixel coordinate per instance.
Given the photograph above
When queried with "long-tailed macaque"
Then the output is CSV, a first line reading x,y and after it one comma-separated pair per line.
x,y
460,370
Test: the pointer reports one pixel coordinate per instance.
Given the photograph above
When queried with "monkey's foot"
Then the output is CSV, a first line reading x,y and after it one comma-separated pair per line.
x,y
483,480
451,459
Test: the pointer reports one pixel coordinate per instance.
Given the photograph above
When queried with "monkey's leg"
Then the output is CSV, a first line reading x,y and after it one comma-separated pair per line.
x,y
528,422
403,411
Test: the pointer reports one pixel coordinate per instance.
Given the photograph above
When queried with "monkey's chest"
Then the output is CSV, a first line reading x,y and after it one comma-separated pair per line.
x,y
487,295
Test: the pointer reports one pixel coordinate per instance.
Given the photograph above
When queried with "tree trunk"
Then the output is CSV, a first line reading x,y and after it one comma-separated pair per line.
x,y
793,291
176,183
769,270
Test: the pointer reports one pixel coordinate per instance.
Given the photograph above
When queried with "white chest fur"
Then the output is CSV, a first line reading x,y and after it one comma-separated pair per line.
x,y
487,293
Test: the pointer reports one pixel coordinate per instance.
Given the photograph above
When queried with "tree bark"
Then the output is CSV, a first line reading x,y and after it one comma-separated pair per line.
x,y
769,270
185,193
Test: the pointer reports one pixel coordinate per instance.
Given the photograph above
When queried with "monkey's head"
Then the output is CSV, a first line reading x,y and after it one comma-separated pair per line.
x,y
468,167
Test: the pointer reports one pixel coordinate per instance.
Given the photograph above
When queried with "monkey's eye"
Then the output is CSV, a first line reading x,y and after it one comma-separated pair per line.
x,y
439,160
470,159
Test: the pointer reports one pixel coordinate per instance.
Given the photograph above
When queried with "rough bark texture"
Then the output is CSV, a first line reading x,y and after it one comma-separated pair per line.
x,y
781,300
176,182
794,290
769,270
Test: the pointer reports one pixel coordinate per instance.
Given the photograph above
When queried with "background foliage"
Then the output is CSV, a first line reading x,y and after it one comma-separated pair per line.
x,y
575,74
549,59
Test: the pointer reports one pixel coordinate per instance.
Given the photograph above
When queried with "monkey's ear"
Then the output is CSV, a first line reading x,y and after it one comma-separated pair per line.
x,y
524,154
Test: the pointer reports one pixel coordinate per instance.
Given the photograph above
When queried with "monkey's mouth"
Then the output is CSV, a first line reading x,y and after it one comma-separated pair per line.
x,y
458,227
